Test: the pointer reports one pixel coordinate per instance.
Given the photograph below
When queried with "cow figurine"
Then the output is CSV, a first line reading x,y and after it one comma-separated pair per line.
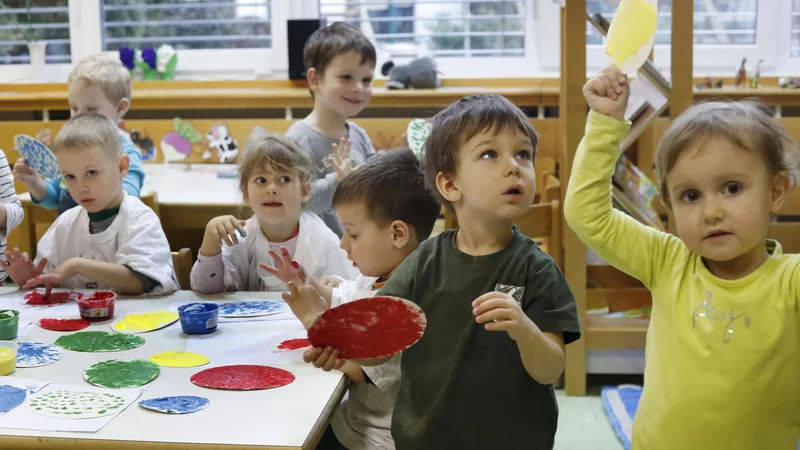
x,y
220,140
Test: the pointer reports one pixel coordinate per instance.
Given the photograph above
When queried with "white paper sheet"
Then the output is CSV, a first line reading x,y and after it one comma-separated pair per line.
x,y
28,385
227,345
23,418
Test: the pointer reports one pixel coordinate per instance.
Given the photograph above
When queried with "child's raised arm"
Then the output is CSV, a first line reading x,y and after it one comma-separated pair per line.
x,y
616,237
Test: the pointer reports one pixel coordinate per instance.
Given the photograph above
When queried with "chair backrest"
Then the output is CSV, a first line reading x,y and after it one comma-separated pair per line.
x,y
151,200
182,262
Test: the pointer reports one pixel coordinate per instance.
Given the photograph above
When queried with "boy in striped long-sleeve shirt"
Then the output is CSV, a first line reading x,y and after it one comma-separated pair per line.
x,y
11,213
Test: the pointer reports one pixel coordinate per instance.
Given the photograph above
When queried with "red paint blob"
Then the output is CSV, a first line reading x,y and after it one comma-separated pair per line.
x,y
295,264
294,344
98,306
37,298
63,324
242,377
369,328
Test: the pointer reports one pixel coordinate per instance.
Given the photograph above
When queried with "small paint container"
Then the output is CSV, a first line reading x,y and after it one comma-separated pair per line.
x,y
8,357
9,324
98,306
199,318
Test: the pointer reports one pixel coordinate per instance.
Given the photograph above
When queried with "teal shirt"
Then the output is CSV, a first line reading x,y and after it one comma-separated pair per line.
x,y
132,183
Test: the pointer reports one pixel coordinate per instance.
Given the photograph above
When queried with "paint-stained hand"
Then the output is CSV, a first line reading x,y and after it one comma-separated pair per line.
x,y
20,267
326,359
501,312
340,159
607,92
329,281
59,275
223,229
285,269
304,301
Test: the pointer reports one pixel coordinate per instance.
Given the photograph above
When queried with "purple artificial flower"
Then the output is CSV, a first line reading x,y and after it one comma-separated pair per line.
x,y
149,57
126,55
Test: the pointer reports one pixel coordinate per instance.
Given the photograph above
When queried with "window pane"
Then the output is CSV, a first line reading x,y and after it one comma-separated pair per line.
x,y
46,20
716,22
794,50
186,24
460,28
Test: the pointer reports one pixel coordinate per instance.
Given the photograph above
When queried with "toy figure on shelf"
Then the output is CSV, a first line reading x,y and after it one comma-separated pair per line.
x,y
708,83
789,83
755,82
418,74
741,75
718,84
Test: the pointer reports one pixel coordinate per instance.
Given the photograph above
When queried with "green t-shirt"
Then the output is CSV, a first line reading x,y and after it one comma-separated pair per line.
x,y
462,386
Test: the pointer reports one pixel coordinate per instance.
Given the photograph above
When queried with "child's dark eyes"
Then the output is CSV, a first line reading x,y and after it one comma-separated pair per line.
x,y
346,77
732,188
285,179
690,196
489,154
260,180
367,80
69,177
525,154
91,173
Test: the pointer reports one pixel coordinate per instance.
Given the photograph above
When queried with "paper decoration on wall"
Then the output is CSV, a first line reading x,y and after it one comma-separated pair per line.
x,y
416,134
369,328
63,324
243,377
145,144
99,341
179,359
182,404
219,139
290,345
632,34
144,322
64,404
10,397
116,374
38,156
177,145
37,298
252,309
37,354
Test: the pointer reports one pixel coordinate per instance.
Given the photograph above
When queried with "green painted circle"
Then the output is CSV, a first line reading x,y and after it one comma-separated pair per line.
x,y
99,341
121,374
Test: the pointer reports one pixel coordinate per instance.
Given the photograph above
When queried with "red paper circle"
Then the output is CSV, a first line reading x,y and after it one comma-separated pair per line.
x,y
369,328
242,377
294,344
63,324
37,298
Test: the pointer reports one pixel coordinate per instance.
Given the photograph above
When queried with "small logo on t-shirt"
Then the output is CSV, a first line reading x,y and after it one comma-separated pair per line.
x,y
514,291
91,285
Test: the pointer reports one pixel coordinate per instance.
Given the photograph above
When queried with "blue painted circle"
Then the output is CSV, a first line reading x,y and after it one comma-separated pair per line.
x,y
182,404
10,397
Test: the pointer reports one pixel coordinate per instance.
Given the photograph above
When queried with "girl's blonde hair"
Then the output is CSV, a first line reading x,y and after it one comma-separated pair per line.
x,y
277,152
747,124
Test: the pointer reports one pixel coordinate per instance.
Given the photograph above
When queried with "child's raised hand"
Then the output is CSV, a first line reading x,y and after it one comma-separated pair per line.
x,y
607,92
500,312
23,172
285,269
340,159
304,301
329,281
223,229
20,267
326,359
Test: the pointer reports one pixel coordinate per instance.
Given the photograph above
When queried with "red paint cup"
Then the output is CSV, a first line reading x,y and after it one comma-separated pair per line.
x,y
98,306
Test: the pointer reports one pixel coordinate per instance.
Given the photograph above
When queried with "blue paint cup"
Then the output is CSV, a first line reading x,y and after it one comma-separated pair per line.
x,y
199,318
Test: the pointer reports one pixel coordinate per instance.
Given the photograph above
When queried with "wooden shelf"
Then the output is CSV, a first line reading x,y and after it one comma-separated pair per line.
x,y
605,336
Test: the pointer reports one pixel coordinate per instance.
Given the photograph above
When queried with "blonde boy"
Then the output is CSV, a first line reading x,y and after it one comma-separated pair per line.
x,y
113,241
340,62
97,84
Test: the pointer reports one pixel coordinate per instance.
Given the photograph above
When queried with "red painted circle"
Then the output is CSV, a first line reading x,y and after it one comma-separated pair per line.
x,y
369,328
294,344
37,298
63,324
243,377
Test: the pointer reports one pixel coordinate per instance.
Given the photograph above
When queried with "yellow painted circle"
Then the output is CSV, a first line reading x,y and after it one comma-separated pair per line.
x,y
179,359
139,323
633,25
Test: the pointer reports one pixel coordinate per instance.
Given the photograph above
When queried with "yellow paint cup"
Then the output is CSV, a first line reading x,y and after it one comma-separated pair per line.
x,y
8,357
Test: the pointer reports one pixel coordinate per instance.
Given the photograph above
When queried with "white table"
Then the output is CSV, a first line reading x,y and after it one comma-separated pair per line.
x,y
289,417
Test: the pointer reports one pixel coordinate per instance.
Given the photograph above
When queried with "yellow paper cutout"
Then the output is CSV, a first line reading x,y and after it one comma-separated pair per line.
x,y
179,359
139,323
633,26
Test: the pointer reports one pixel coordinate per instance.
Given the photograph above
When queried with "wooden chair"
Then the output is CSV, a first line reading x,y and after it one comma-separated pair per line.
x,y
182,262
151,200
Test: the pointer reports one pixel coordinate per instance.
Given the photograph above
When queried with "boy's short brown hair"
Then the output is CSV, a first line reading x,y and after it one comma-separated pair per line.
x,y
392,187
339,38
279,153
89,131
105,72
463,120
746,124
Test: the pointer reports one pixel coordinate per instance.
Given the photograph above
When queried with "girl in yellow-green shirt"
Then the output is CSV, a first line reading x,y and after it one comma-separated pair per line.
x,y
723,347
